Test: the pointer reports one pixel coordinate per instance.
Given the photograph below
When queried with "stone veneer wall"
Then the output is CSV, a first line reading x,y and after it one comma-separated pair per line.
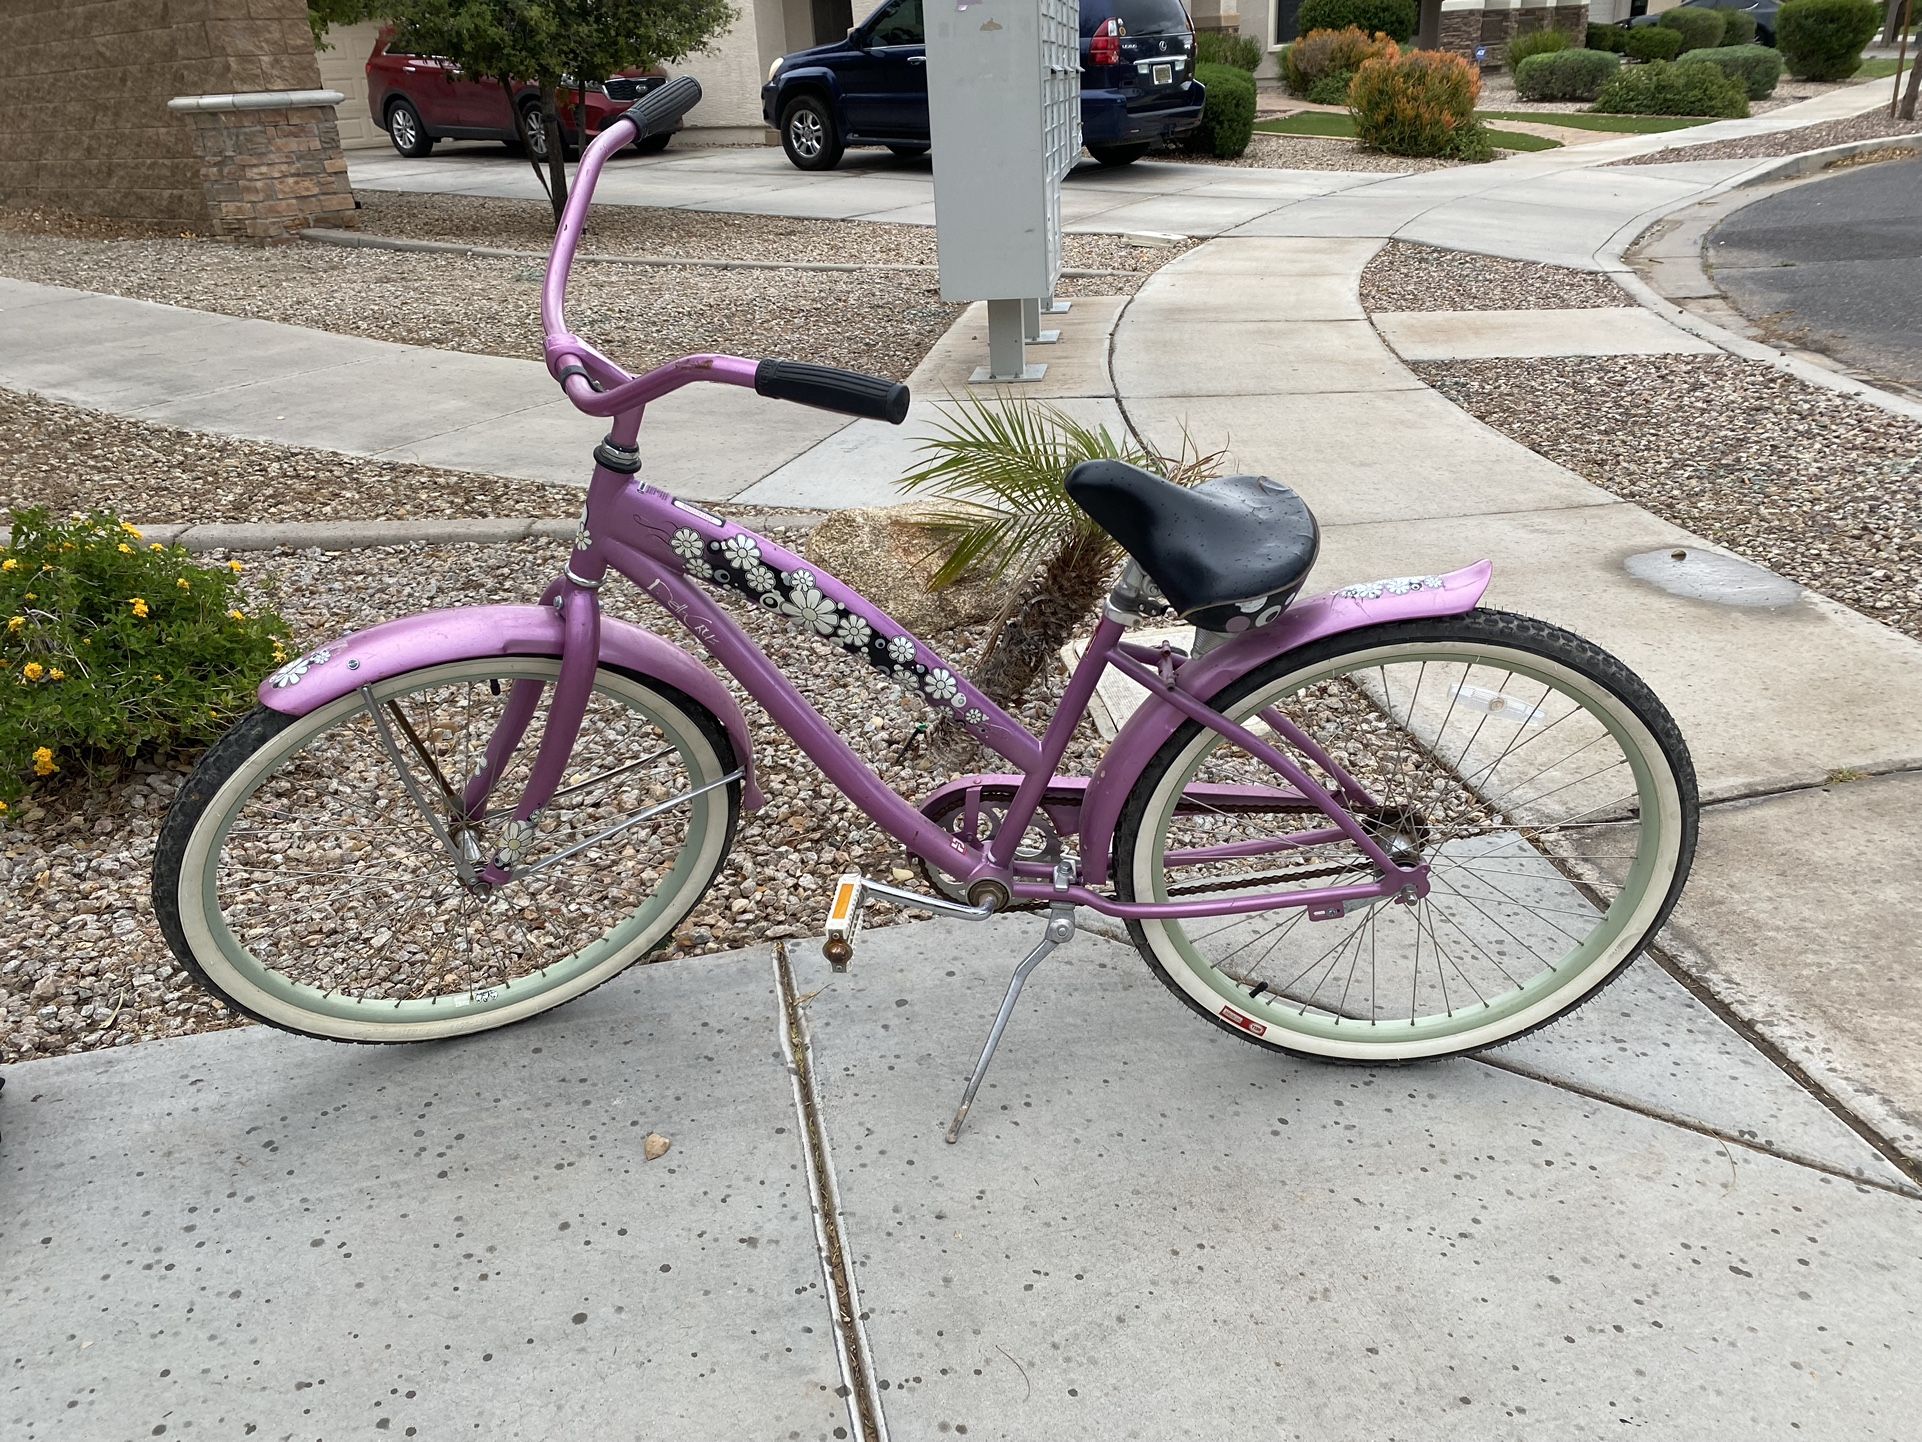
x,y
85,126
1491,24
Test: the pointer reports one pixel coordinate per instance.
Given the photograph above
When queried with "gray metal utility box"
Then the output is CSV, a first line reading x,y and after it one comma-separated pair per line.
x,y
1004,107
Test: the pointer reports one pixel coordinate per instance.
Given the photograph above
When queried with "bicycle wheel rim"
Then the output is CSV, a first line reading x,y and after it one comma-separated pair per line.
x,y
268,993
1640,901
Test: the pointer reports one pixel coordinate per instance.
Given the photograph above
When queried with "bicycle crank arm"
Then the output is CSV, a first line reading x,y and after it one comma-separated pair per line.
x,y
852,894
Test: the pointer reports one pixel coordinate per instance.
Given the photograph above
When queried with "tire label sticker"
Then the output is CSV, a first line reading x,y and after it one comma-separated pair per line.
x,y
1246,1023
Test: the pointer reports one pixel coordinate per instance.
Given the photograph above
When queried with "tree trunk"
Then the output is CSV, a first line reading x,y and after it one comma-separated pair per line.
x,y
1056,600
1907,112
1892,21
556,151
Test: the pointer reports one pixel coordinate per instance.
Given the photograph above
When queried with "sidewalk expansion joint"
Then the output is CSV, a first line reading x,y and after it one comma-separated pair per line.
x,y
1908,1166
1798,788
837,1269
1727,1138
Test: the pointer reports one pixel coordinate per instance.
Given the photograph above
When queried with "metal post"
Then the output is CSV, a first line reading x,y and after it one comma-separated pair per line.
x,y
1031,313
1006,356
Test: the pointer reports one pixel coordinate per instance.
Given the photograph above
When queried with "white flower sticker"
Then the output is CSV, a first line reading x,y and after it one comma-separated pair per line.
x,y
741,552
811,608
939,684
900,649
688,544
759,579
290,674
802,580
975,716
1395,586
853,632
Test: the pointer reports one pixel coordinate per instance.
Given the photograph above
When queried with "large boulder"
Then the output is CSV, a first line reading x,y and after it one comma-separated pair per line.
x,y
887,555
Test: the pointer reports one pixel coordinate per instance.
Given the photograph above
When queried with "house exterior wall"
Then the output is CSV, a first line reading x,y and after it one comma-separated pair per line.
x,y
85,125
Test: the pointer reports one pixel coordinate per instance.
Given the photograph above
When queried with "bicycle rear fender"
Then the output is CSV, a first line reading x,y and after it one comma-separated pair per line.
x,y
466,633
1154,721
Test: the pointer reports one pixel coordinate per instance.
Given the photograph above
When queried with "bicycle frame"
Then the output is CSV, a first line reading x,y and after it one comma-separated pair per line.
x,y
673,550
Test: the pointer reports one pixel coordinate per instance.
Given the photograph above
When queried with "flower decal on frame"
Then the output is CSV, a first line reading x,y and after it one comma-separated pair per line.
x,y
741,552
688,544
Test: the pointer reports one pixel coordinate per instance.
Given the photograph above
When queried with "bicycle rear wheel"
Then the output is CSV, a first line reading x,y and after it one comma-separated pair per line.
x,y
298,879
1546,789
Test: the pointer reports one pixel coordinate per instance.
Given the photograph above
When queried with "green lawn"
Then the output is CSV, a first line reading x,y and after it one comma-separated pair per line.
x,y
1880,68
1589,120
1342,126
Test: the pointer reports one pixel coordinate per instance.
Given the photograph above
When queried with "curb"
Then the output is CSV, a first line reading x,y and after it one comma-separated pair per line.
x,y
370,535
1719,200
1679,250
356,240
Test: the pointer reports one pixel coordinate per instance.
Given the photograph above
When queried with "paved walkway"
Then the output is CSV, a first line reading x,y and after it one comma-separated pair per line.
x,y
1149,1229
1553,205
1637,1218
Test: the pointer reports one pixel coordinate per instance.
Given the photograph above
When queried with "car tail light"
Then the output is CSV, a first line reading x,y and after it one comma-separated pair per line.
x,y
1105,46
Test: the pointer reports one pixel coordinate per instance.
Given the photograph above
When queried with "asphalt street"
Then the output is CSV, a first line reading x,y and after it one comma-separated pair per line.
x,y
1833,266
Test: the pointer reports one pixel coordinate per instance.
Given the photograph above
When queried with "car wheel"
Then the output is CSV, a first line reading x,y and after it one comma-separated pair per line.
x,y
534,135
654,144
808,134
1115,155
909,152
406,129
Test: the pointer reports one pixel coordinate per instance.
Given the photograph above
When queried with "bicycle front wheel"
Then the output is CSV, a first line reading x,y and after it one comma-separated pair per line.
x,y
305,873
1547,792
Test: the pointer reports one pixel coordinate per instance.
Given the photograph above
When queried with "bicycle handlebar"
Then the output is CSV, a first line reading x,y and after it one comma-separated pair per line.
x,y
663,106
600,388
829,388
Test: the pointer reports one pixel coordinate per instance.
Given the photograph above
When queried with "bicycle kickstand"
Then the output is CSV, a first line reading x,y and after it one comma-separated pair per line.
x,y
1060,928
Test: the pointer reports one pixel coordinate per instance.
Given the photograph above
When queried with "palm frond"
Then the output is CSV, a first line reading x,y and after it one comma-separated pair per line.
x,y
999,466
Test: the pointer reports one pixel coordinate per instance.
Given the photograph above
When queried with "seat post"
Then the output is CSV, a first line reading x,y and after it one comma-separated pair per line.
x,y
1133,596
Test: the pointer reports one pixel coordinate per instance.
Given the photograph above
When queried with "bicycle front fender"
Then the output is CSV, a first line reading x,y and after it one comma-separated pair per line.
x,y
1154,721
467,633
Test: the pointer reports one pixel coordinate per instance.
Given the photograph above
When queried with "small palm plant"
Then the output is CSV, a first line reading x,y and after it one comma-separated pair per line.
x,y
996,471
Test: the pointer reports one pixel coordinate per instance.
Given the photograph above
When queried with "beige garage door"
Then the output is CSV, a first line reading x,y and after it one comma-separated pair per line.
x,y
343,67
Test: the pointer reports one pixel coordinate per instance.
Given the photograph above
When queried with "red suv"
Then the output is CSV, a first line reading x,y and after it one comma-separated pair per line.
x,y
418,99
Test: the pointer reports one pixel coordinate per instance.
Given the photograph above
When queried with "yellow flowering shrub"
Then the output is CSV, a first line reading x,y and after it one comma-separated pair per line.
x,y
110,651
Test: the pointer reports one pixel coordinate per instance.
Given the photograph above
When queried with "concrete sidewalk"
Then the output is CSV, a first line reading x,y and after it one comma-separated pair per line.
x,y
1556,205
1149,1229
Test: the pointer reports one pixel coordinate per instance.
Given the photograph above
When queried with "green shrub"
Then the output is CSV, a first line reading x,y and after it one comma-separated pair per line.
x,y
1607,37
1535,42
1215,48
1322,53
1823,39
1660,88
1739,28
1330,89
1756,68
1393,18
1227,115
1565,75
1419,102
1652,42
111,648
1699,27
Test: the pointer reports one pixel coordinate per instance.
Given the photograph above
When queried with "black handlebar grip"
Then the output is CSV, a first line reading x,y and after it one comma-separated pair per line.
x,y
662,106
829,389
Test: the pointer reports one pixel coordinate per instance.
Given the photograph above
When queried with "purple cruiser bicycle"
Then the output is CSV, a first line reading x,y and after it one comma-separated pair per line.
x,y
1371,826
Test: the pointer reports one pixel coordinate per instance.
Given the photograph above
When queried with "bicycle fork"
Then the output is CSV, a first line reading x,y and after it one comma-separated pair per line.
x,y
844,920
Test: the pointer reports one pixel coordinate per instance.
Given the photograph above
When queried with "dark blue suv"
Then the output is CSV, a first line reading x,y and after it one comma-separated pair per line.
x,y
1138,84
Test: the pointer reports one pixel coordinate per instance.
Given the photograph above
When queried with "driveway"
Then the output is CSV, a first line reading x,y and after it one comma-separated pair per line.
x,y
1831,265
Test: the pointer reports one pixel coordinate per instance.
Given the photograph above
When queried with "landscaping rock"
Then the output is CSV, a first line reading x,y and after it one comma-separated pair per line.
x,y
890,558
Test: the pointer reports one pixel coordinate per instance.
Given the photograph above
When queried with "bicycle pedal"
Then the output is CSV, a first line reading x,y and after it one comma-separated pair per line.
x,y
844,919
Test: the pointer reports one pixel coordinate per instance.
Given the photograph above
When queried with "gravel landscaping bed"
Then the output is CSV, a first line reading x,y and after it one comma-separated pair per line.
x,y
699,234
71,459
882,321
1404,277
1784,142
86,968
1310,152
1820,488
